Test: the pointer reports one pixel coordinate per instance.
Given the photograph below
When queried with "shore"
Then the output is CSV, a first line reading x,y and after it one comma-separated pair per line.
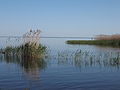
x,y
115,43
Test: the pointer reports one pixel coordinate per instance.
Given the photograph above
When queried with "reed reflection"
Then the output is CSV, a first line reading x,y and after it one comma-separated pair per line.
x,y
30,66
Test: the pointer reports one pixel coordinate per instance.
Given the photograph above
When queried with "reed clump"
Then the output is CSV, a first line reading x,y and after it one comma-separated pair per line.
x,y
30,48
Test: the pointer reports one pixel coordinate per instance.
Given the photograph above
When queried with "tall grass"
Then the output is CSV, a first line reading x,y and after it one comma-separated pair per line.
x,y
30,47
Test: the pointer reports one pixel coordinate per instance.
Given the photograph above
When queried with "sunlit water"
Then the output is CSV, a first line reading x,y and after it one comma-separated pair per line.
x,y
65,67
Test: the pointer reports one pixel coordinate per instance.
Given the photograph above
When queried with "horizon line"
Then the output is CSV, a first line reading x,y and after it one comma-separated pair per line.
x,y
46,37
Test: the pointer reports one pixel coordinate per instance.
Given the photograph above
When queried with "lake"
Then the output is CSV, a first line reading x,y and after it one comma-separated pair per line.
x,y
64,67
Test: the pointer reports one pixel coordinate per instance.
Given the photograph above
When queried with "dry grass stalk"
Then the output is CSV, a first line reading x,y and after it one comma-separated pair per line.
x,y
32,38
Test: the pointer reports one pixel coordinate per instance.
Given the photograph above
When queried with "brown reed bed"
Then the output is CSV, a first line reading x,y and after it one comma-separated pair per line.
x,y
108,37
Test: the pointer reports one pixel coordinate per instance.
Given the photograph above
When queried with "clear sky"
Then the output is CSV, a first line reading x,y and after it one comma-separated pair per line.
x,y
60,17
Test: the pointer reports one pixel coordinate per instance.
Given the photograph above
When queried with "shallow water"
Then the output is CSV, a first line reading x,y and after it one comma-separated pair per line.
x,y
65,67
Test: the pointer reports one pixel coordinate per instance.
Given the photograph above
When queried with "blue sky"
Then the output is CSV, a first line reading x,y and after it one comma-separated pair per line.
x,y
60,17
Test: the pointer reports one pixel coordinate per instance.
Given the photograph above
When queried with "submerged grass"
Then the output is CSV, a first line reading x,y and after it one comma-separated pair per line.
x,y
81,58
27,50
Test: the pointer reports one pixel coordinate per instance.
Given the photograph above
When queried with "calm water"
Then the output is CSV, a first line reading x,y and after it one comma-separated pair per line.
x,y
65,67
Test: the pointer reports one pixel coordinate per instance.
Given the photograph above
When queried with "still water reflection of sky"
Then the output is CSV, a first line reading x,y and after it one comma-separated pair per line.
x,y
71,67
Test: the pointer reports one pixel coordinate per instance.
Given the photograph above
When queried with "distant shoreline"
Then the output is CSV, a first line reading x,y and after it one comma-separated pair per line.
x,y
114,43
48,37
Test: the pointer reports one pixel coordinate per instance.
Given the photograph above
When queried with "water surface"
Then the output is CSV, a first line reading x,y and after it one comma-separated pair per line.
x,y
65,67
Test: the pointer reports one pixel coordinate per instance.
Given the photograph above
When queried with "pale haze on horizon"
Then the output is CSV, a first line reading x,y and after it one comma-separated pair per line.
x,y
70,18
